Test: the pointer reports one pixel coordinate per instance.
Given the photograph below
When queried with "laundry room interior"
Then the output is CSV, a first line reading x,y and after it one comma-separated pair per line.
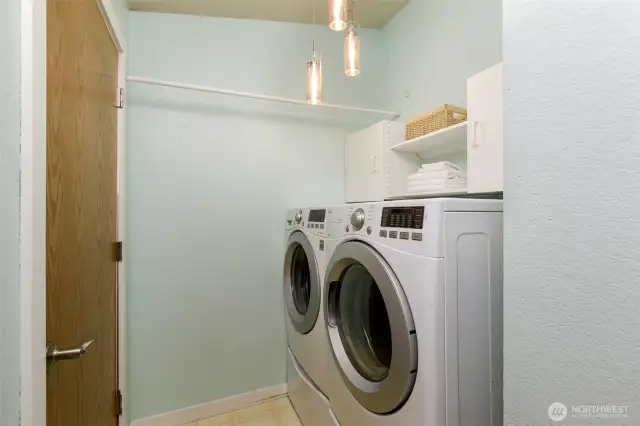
x,y
361,213
211,176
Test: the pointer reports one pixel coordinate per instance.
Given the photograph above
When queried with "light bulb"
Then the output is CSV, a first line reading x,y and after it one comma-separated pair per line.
x,y
314,81
338,14
351,52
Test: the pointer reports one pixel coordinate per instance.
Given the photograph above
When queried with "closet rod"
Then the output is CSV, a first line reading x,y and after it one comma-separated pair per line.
x,y
155,82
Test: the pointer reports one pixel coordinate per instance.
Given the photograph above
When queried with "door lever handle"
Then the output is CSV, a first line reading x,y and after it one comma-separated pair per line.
x,y
55,354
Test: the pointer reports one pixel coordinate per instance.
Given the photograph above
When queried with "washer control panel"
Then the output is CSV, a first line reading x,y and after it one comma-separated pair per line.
x,y
316,221
317,216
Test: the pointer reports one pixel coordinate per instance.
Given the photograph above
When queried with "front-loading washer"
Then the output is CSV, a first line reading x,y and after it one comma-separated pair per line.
x,y
413,311
308,344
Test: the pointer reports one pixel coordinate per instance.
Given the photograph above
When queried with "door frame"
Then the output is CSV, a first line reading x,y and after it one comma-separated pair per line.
x,y
33,205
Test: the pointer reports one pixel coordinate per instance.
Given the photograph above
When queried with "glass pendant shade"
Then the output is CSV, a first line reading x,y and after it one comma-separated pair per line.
x,y
338,14
351,52
314,81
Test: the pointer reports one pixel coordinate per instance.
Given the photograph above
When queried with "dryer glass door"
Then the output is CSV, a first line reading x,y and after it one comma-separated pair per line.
x,y
301,283
370,327
364,328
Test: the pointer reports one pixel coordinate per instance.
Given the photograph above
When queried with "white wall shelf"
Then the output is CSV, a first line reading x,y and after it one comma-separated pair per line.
x,y
443,142
200,88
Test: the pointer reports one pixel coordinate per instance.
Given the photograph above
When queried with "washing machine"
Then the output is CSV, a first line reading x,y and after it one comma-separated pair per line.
x,y
413,312
308,344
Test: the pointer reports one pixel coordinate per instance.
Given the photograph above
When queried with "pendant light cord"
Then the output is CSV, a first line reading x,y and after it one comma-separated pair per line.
x,y
313,4
352,9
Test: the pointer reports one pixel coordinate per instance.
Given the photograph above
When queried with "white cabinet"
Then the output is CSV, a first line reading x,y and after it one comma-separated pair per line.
x,y
363,155
484,131
373,172
378,159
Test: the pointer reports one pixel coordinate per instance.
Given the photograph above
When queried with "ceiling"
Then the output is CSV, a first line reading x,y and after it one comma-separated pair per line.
x,y
369,13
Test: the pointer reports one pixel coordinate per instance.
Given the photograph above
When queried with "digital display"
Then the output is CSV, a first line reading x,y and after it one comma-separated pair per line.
x,y
402,217
317,216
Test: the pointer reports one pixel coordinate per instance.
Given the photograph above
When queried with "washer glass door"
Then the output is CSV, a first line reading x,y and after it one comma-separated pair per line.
x,y
300,279
301,283
370,327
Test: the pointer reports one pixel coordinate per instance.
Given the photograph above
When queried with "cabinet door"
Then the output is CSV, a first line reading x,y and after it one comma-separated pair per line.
x,y
364,172
484,135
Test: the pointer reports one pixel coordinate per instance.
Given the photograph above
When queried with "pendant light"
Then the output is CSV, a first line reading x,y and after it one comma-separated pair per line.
x,y
314,79
351,52
352,46
314,72
338,14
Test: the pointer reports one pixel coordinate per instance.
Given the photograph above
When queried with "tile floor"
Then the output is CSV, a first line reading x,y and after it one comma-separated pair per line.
x,y
275,412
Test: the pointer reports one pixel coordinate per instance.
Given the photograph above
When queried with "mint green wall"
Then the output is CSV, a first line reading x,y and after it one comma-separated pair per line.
x,y
434,46
9,210
209,179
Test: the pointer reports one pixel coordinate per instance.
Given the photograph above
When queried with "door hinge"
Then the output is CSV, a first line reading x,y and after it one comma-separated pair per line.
x,y
117,251
119,407
120,103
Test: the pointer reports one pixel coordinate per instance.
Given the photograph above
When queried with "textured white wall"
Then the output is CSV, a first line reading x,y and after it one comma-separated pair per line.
x,y
572,208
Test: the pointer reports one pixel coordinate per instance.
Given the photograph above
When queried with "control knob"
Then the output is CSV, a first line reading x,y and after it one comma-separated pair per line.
x,y
298,217
357,219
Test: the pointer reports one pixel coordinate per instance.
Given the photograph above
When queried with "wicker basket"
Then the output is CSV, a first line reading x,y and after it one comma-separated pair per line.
x,y
445,116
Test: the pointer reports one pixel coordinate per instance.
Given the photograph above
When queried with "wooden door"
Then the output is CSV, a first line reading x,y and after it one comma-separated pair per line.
x,y
82,64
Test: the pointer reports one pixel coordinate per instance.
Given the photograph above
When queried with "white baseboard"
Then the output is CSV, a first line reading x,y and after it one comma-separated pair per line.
x,y
213,408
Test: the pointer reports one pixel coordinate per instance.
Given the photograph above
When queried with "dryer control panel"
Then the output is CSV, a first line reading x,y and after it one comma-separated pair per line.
x,y
407,225
402,217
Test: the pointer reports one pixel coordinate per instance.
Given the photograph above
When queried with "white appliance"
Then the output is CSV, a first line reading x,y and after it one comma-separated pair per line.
x,y
308,344
413,309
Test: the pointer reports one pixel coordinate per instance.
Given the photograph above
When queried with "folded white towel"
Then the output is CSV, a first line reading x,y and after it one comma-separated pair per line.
x,y
436,184
442,165
438,174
